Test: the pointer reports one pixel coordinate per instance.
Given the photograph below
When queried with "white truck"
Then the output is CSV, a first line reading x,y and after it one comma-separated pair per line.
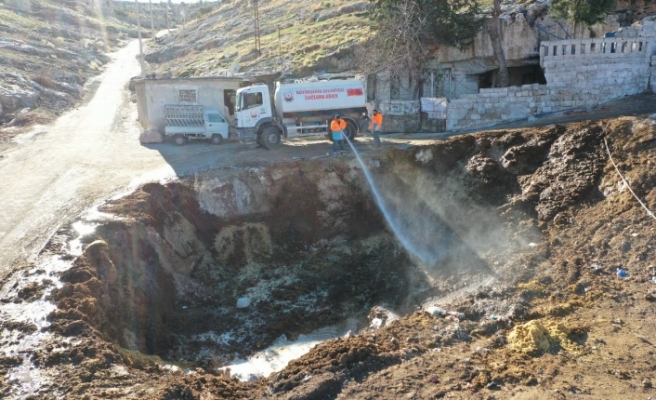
x,y
183,122
299,109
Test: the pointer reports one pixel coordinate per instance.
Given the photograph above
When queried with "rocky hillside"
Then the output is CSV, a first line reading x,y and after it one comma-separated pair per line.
x,y
297,37
294,35
48,54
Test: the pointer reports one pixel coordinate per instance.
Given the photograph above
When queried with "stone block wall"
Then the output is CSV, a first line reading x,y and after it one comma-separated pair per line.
x,y
580,73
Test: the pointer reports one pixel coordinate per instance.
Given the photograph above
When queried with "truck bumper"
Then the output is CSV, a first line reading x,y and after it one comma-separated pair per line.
x,y
246,133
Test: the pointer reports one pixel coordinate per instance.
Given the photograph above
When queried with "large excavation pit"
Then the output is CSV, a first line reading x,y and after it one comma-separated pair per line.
x,y
222,264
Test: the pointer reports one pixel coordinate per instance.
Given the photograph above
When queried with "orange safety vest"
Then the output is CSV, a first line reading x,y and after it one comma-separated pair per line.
x,y
337,125
377,119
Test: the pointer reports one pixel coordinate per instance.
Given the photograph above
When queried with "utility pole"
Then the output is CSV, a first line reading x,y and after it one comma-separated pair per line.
x,y
141,56
168,20
257,25
152,25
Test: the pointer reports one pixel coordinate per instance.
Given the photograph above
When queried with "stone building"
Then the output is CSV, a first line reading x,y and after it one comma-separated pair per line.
x,y
211,92
454,73
578,73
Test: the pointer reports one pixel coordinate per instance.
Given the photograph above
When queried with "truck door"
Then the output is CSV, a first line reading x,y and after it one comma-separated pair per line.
x,y
216,124
254,104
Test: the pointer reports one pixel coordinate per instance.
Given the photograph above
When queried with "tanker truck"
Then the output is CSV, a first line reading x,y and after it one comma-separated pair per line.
x,y
299,109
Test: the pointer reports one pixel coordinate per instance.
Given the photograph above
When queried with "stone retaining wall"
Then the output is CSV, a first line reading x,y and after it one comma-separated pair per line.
x,y
580,73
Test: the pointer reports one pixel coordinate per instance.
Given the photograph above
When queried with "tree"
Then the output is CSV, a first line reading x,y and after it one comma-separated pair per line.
x,y
406,31
588,12
494,31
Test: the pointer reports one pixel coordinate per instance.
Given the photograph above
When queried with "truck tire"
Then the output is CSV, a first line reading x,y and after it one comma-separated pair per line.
x,y
179,139
270,137
216,139
351,130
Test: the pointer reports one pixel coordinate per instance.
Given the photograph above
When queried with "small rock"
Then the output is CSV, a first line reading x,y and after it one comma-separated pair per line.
x,y
376,323
243,302
492,385
151,136
436,311
646,383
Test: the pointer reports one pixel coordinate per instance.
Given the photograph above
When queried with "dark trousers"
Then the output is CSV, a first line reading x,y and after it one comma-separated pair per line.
x,y
339,143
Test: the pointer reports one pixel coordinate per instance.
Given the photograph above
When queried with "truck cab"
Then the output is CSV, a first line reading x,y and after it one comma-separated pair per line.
x,y
254,116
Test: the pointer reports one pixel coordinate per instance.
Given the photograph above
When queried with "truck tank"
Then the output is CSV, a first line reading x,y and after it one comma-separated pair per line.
x,y
320,100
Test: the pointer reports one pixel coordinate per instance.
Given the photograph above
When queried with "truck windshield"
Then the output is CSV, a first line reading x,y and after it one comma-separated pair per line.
x,y
214,118
252,100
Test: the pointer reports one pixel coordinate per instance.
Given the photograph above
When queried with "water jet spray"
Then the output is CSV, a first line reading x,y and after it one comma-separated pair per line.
x,y
426,255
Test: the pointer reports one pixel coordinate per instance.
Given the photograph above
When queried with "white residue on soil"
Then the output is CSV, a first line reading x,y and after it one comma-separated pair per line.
x,y
85,226
276,357
26,378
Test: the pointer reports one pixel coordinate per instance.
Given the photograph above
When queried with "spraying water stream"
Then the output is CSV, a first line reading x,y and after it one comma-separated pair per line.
x,y
424,254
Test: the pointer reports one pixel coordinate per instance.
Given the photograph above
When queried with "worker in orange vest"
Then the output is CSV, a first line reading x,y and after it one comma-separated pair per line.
x,y
337,126
375,126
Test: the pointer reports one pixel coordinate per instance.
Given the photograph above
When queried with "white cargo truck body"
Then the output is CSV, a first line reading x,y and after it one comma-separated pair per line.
x,y
299,109
191,121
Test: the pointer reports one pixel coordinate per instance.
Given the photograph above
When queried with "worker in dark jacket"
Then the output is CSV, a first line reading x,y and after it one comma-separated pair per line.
x,y
337,126
375,126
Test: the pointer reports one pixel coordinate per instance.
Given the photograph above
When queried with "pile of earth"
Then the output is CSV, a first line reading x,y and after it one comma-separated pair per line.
x,y
501,255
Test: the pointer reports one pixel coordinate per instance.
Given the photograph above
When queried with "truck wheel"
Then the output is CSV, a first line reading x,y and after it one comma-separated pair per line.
x,y
216,139
351,130
270,137
179,139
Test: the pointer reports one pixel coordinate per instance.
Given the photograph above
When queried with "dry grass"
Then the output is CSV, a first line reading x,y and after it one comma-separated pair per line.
x,y
293,36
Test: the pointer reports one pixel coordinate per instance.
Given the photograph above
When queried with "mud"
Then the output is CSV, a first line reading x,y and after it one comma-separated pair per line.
x,y
524,230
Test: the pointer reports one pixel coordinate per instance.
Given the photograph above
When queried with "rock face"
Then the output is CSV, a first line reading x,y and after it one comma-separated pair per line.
x,y
151,136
